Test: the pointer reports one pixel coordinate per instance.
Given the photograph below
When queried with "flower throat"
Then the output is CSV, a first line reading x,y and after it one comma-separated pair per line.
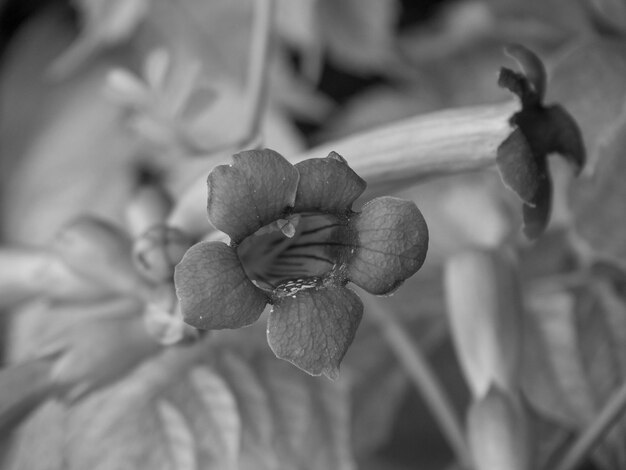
x,y
299,247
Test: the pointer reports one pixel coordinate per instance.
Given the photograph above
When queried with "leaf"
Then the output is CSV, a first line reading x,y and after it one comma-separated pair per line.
x,y
105,23
485,312
23,387
94,352
34,273
551,367
220,403
574,360
310,414
125,424
179,436
360,35
611,12
377,389
313,327
588,82
253,402
597,201
75,161
99,251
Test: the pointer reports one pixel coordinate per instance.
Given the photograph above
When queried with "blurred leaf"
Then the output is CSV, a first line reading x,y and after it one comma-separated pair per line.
x,y
22,388
99,251
598,201
122,426
104,24
219,402
377,388
297,22
179,436
588,82
253,403
77,161
310,414
485,313
575,357
611,12
551,367
99,349
176,412
29,274
360,35
548,20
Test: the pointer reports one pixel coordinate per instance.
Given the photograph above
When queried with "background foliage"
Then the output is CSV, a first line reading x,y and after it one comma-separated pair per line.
x,y
533,363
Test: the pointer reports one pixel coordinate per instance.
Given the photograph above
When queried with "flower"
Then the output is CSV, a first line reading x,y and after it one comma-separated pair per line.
x,y
295,243
539,130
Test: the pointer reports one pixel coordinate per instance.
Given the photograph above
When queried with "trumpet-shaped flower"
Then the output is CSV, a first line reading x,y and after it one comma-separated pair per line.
x,y
295,243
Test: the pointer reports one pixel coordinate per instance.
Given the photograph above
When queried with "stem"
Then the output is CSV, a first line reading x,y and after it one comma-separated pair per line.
x,y
608,416
425,381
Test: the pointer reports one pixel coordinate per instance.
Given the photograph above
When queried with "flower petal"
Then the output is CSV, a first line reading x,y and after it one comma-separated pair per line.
x,y
533,68
537,214
566,137
518,166
313,327
252,192
327,185
392,244
213,288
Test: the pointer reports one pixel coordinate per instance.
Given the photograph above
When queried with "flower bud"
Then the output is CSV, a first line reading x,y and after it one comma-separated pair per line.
x,y
149,206
498,433
163,318
157,252
485,314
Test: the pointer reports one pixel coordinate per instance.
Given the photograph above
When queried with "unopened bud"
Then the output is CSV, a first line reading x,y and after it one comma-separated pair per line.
x,y
157,252
149,207
498,433
485,314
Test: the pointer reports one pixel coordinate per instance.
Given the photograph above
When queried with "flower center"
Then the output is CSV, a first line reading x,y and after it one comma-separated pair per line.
x,y
300,247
